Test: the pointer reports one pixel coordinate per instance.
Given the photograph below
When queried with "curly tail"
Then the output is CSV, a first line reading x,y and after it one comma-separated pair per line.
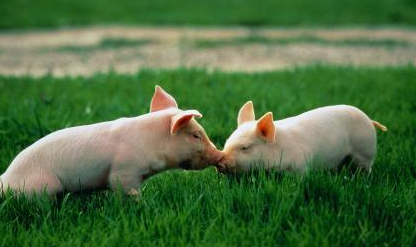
x,y
379,125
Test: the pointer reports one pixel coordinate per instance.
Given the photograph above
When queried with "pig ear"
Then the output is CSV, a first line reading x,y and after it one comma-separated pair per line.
x,y
265,127
162,100
182,119
246,113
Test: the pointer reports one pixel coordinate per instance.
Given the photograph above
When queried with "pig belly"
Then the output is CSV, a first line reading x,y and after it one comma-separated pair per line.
x,y
86,177
331,155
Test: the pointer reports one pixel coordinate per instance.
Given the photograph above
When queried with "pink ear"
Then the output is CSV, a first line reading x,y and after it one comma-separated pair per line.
x,y
246,113
182,119
162,100
265,127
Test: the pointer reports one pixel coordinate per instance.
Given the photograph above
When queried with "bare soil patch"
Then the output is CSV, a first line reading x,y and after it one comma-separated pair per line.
x,y
80,51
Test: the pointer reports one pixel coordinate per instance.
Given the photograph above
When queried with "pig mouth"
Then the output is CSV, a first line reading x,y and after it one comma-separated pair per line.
x,y
227,168
222,168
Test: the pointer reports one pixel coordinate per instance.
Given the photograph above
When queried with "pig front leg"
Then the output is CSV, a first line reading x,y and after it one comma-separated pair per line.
x,y
128,179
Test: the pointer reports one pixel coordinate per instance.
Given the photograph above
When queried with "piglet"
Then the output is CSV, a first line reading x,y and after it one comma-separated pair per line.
x,y
120,153
321,138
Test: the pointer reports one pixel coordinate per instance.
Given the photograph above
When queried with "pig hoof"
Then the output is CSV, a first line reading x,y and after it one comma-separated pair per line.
x,y
133,192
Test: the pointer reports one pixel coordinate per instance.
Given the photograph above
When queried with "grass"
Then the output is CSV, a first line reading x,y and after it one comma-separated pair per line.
x,y
202,208
304,39
106,44
21,14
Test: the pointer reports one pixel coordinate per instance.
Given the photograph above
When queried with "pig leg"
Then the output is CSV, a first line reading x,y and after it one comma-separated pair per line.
x,y
44,183
364,156
363,162
128,180
364,144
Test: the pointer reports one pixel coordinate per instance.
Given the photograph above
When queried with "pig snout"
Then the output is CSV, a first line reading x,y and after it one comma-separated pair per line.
x,y
214,156
221,164
226,164
221,168
209,156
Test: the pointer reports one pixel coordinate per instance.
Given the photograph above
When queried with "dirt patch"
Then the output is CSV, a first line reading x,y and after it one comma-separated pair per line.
x,y
39,53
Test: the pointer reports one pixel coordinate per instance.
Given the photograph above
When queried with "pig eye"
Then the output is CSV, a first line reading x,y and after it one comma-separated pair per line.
x,y
196,136
245,148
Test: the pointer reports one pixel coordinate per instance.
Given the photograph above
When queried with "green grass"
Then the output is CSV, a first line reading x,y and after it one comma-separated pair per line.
x,y
105,44
202,208
304,39
18,14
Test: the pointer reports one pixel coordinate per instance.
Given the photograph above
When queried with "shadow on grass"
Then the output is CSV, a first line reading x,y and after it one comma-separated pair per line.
x,y
346,169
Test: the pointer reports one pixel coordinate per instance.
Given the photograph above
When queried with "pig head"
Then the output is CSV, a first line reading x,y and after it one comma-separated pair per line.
x,y
188,146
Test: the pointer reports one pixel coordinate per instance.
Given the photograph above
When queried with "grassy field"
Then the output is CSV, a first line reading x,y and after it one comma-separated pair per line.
x,y
182,208
17,14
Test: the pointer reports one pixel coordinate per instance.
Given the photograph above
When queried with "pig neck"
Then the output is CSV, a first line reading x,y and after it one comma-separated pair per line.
x,y
148,136
289,145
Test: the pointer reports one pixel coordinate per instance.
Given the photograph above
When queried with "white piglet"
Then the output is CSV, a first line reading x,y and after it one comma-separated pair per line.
x,y
321,138
122,152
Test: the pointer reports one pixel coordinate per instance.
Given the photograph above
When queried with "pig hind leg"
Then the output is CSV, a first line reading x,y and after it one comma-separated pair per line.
x,y
363,141
363,161
364,152
43,183
35,183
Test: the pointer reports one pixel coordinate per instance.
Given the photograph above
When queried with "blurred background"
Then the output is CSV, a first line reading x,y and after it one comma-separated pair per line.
x,y
76,37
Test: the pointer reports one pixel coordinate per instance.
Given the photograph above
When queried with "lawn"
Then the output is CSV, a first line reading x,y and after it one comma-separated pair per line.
x,y
20,14
182,208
